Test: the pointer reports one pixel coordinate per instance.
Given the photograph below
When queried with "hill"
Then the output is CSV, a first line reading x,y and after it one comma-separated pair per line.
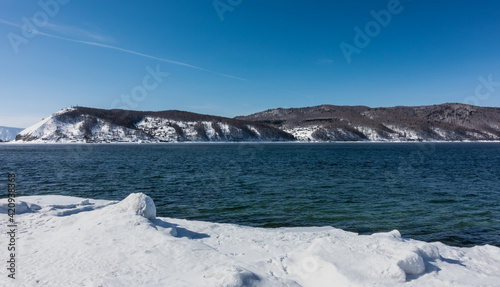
x,y
81,124
445,122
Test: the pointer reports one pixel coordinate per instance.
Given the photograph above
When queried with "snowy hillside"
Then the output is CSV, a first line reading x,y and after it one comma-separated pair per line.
x,y
446,122
69,241
58,128
84,125
8,133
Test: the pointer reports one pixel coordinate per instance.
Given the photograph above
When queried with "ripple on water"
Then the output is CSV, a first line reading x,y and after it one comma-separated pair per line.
x,y
449,193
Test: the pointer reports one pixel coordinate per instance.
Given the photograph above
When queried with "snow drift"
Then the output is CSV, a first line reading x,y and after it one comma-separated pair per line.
x,y
69,241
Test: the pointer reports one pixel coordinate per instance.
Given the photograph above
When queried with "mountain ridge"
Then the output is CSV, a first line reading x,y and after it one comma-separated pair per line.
x,y
8,133
83,124
444,122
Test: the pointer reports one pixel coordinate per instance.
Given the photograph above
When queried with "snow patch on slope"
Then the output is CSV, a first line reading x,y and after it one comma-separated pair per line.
x,y
303,133
47,123
371,134
169,130
404,134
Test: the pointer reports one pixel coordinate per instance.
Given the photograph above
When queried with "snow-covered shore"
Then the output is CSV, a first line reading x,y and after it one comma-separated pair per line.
x,y
69,241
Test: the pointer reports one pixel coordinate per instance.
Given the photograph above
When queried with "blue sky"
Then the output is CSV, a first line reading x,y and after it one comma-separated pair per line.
x,y
236,57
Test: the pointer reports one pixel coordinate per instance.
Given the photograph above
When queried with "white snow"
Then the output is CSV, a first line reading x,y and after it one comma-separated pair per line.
x,y
303,133
371,133
404,133
253,129
159,127
44,122
35,127
225,129
137,203
163,129
70,241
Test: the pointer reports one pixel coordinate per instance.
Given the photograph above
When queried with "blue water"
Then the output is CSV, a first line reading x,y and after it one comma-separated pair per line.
x,y
448,192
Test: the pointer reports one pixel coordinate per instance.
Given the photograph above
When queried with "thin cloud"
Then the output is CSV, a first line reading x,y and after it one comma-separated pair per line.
x,y
96,44
116,48
78,32
325,61
10,23
106,46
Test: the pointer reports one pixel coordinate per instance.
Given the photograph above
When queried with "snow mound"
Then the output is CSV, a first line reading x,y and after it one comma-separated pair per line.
x,y
20,207
54,205
137,203
411,263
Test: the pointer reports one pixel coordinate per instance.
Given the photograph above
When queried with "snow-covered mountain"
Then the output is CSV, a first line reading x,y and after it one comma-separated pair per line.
x,y
8,133
445,122
85,125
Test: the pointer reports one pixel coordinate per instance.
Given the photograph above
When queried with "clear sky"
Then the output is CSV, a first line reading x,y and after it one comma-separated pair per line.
x,y
236,57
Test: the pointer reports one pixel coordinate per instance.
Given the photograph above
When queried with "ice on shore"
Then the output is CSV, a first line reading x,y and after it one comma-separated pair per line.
x,y
137,203
70,241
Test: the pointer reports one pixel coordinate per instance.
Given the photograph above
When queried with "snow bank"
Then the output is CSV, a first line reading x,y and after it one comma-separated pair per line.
x,y
69,241
54,205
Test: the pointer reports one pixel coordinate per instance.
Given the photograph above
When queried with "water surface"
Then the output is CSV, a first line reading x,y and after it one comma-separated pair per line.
x,y
447,192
